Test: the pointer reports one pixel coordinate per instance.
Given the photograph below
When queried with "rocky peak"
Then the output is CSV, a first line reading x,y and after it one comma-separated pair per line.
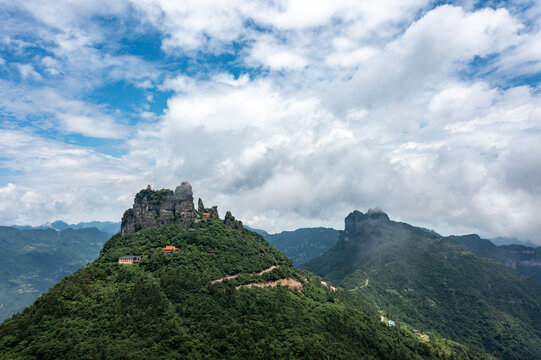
x,y
184,192
159,207
200,206
231,222
356,220
166,207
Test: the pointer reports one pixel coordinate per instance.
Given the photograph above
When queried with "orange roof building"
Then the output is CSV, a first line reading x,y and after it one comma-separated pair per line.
x,y
206,215
169,249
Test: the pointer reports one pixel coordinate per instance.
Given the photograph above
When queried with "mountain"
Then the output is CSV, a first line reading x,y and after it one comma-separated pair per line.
x,y
436,284
258,231
501,240
304,244
108,227
33,260
224,293
525,260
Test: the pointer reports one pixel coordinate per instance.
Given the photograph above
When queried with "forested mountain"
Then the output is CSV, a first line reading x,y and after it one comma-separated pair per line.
x,y
524,259
34,260
435,283
223,293
303,244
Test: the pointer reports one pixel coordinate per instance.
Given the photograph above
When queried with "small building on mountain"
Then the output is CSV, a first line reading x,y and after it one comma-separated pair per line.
x,y
390,322
206,215
130,259
169,249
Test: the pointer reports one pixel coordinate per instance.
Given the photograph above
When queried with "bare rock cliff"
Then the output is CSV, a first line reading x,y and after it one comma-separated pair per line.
x,y
161,207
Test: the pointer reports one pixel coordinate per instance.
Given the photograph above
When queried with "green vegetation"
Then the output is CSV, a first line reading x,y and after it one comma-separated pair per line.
x,y
165,307
524,259
437,286
302,245
34,260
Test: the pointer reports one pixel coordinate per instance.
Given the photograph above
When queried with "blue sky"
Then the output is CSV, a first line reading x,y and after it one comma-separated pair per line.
x,y
288,113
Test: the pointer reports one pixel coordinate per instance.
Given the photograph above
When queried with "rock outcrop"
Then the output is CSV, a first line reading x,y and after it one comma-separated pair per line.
x,y
356,221
161,207
231,222
166,207
200,206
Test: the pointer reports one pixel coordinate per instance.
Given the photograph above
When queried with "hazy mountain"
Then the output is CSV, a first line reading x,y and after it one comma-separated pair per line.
x,y
257,231
304,244
108,227
33,260
501,240
226,293
435,283
526,260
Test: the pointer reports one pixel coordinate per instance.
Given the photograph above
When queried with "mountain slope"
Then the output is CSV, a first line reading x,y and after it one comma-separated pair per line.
x,y
34,260
219,296
525,260
434,283
304,244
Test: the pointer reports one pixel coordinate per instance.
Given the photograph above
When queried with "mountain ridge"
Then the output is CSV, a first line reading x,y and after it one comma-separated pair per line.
x,y
435,283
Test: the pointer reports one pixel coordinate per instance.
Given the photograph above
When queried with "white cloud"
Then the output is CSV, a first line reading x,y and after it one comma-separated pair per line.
x,y
103,127
27,71
58,112
275,56
62,181
430,50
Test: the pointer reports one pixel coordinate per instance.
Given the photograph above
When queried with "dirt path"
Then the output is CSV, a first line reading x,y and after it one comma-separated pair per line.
x,y
229,277
360,287
292,284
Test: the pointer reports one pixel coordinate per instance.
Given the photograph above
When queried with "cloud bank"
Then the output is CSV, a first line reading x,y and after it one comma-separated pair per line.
x,y
288,113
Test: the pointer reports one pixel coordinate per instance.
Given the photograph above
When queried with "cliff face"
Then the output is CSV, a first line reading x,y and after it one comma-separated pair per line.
x,y
161,207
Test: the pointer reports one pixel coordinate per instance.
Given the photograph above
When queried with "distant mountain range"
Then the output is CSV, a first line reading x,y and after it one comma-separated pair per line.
x,y
435,284
33,260
108,227
304,244
525,260
501,240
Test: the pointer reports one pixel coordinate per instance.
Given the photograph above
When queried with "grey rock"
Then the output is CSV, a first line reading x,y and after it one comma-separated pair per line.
x,y
184,191
232,223
200,206
161,207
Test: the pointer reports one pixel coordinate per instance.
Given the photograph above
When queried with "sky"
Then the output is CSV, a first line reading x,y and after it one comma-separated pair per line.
x,y
288,113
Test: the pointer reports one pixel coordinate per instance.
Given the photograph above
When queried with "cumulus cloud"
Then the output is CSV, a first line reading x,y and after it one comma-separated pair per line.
x,y
426,54
58,112
58,181
27,71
